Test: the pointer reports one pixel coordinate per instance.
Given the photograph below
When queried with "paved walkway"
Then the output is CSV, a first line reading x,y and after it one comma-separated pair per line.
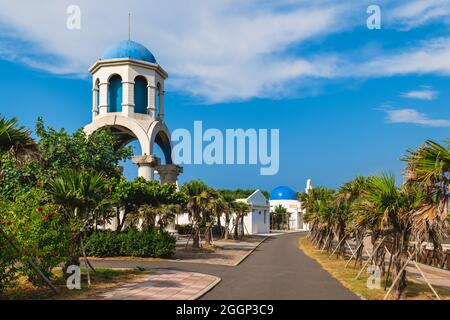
x,y
277,269
164,285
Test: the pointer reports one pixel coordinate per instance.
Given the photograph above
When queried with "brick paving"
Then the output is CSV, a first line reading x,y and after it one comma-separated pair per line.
x,y
164,285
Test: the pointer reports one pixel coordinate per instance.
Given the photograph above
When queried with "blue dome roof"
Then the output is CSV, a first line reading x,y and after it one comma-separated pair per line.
x,y
129,49
283,193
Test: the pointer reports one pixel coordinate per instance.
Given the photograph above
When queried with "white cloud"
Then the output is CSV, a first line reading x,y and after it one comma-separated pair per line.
x,y
428,57
414,117
223,50
424,94
415,13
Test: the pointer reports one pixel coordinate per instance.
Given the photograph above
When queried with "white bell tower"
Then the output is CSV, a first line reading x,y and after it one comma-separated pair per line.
x,y
128,97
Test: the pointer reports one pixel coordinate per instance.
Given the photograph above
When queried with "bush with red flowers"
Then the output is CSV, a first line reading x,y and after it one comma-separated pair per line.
x,y
38,230
8,261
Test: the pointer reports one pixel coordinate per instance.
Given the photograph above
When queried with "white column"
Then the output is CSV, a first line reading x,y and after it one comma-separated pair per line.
x,y
103,102
146,164
127,98
161,105
95,97
151,101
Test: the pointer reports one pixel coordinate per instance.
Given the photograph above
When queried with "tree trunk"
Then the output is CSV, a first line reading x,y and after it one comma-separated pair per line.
x,y
236,226
242,227
399,259
219,223
196,236
227,226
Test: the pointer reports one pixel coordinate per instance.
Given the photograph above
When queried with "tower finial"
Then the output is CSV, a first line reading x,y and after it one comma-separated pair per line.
x,y
129,25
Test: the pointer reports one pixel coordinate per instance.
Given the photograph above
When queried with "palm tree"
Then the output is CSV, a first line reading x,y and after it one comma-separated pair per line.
x,y
16,138
391,208
197,194
346,196
429,167
280,216
241,209
219,207
318,204
78,193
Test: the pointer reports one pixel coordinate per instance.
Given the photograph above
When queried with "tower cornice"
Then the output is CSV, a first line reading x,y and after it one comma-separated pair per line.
x,y
127,61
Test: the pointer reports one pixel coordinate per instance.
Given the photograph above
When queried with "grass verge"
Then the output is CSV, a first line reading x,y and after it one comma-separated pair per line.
x,y
336,267
102,280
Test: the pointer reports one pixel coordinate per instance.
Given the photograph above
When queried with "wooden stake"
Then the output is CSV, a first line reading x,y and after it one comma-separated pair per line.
x,y
338,245
354,254
426,280
325,244
85,261
397,277
348,245
389,268
370,258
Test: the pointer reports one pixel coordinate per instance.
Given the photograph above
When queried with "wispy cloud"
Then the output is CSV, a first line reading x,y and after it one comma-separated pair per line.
x,y
414,117
225,50
423,94
415,13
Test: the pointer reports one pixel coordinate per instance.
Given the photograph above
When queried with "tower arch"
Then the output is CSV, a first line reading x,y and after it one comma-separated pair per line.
x,y
115,93
140,95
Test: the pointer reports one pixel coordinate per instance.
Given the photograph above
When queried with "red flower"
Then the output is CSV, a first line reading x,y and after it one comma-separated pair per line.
x,y
9,223
53,213
1,221
46,217
39,209
37,184
74,236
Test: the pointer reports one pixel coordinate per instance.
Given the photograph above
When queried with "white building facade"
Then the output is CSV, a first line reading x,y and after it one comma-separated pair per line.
x,y
257,221
287,197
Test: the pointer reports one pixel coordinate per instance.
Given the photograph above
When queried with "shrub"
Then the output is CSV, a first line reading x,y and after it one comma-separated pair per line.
x,y
183,229
8,260
132,242
37,229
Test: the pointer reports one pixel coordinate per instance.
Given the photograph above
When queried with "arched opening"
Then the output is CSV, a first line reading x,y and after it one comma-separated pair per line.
x,y
140,95
163,142
157,100
115,94
130,171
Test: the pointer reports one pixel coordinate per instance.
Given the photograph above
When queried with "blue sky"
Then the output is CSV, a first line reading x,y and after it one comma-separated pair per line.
x,y
347,100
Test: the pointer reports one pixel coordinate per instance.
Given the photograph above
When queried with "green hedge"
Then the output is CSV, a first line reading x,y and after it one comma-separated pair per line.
x,y
132,242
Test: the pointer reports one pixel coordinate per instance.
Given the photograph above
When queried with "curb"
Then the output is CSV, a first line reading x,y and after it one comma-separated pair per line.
x,y
249,253
207,289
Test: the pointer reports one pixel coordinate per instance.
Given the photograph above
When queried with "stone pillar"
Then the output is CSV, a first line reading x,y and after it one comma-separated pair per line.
x,y
95,100
169,173
161,105
146,164
151,109
127,98
103,100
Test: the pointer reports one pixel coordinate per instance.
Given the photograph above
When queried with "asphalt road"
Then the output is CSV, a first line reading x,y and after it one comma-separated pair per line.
x,y
277,269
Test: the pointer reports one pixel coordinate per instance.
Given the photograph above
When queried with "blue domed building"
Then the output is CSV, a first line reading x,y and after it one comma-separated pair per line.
x,y
128,97
287,197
